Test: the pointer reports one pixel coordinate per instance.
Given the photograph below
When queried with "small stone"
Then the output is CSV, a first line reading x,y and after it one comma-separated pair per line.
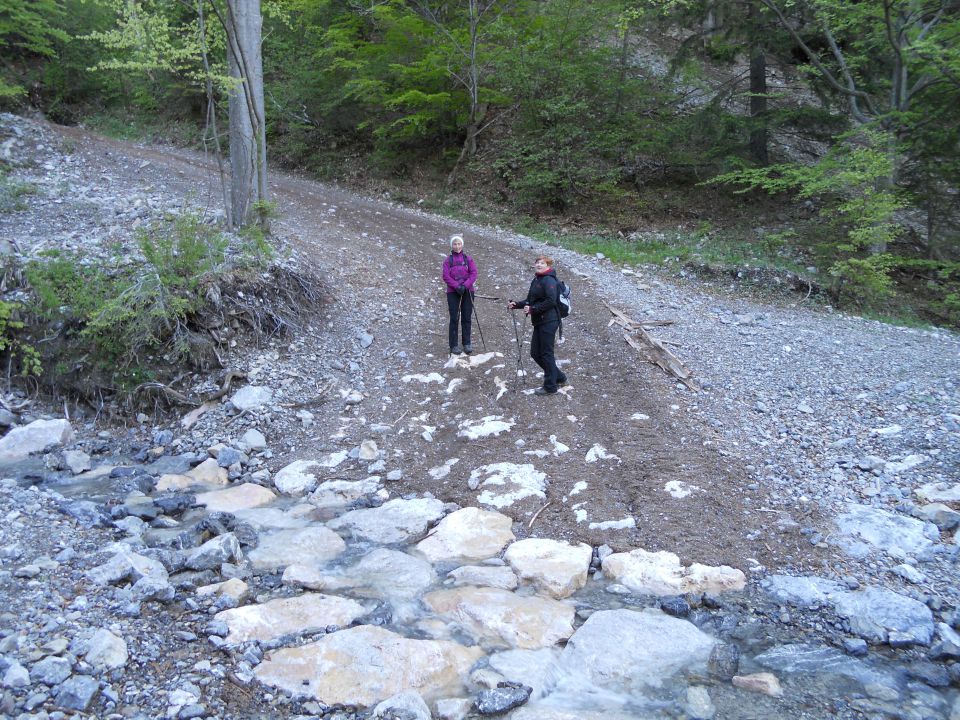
x,y
855,646
765,683
505,696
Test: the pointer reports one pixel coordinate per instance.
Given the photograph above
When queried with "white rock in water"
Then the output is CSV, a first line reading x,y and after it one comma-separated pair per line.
x,y
660,573
556,567
304,545
336,668
35,437
275,618
466,535
393,522
298,477
235,499
603,652
500,618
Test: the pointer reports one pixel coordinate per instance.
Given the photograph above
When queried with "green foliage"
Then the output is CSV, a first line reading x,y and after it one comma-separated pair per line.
x,y
10,342
856,203
12,193
864,280
118,314
27,29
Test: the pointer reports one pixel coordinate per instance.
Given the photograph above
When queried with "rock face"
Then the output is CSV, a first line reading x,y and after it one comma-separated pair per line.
x,y
631,649
660,573
273,619
556,567
336,668
38,435
500,618
466,535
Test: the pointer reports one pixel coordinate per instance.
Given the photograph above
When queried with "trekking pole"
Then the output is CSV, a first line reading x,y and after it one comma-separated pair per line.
x,y
477,318
516,332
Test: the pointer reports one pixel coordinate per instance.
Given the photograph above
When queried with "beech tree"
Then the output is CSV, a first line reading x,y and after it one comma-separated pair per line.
x,y
152,36
26,28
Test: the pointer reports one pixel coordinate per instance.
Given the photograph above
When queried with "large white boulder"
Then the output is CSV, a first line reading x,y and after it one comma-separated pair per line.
x,y
467,535
556,567
337,668
660,573
499,618
272,619
35,437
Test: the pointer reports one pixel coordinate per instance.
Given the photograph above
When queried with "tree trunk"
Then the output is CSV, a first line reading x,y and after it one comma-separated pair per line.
x,y
758,105
248,153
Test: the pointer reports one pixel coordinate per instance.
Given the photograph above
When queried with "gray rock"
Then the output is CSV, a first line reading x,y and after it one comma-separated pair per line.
x,y
505,696
866,528
875,613
76,461
228,456
193,710
51,671
39,435
214,552
16,676
855,646
86,512
77,693
147,588
251,397
724,661
253,440
675,605
821,660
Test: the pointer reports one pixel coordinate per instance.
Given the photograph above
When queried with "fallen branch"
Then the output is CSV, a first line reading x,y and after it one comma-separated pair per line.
x,y
537,514
638,338
167,392
225,386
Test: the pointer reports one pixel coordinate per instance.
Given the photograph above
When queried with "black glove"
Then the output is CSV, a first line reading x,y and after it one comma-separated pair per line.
x,y
461,290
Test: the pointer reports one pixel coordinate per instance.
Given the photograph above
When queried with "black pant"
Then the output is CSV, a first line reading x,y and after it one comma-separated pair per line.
x,y
541,350
461,309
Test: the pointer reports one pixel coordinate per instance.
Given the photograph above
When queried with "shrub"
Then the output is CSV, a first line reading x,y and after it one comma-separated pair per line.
x,y
11,346
117,316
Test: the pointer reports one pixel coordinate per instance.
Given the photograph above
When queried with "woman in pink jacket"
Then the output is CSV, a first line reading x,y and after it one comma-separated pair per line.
x,y
459,273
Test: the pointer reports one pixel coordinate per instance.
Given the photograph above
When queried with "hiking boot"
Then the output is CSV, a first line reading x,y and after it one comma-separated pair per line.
x,y
544,391
456,350
562,381
468,348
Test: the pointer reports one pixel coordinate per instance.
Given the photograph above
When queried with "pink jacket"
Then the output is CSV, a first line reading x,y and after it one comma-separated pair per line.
x,y
459,269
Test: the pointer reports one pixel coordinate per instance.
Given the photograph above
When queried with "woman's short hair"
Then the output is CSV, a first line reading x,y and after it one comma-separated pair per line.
x,y
547,259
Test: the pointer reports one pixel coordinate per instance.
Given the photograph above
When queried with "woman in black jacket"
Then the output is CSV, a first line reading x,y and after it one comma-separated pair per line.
x,y
541,305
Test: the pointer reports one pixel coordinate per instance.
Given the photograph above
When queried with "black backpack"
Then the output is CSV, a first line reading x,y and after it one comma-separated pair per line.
x,y
563,299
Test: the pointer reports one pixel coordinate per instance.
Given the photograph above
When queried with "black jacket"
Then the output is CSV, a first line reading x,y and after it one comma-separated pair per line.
x,y
542,299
